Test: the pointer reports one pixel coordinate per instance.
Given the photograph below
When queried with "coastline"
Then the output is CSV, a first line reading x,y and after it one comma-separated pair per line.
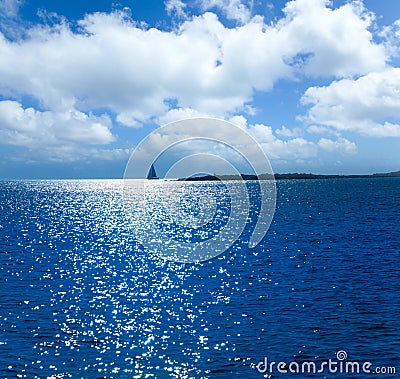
x,y
394,174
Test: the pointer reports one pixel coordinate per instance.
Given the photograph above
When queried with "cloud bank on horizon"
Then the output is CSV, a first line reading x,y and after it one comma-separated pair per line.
x,y
70,89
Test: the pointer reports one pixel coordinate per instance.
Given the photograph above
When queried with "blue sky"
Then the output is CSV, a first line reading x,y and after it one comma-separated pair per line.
x,y
316,82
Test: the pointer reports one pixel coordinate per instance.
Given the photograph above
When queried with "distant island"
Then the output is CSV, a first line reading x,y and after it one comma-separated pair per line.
x,y
395,174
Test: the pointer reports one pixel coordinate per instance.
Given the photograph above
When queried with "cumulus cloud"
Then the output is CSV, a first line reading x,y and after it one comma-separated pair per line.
x,y
177,114
276,148
358,104
287,132
297,148
237,10
342,145
391,38
200,68
113,63
293,148
34,129
318,129
330,41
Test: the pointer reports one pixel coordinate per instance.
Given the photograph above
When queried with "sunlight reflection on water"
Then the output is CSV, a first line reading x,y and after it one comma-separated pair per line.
x,y
81,298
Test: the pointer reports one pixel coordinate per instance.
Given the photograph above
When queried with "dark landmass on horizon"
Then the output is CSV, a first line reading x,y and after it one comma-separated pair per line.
x,y
394,174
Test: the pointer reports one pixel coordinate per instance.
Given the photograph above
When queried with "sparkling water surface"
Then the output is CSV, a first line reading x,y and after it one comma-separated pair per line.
x,y
82,298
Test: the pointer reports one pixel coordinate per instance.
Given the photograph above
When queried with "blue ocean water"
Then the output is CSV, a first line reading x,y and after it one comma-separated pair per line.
x,y
81,298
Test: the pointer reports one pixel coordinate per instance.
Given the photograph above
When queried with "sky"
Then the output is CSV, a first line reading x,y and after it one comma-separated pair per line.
x,y
315,82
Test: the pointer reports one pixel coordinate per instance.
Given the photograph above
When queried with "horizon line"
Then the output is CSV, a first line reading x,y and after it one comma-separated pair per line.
x,y
375,174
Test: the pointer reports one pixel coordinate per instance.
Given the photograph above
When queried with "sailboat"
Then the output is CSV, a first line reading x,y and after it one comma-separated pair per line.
x,y
152,173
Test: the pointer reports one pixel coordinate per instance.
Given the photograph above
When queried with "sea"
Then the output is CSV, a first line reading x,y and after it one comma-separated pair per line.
x,y
82,297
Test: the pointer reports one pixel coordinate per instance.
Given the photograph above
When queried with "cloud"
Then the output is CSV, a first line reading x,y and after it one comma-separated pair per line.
x,y
238,120
293,148
34,129
180,141
177,114
67,154
236,10
73,153
275,148
330,41
10,8
176,7
342,145
113,63
10,20
318,129
358,105
297,148
286,132
391,38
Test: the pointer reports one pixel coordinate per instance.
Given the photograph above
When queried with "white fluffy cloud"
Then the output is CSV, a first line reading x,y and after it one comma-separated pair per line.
x,y
286,132
293,150
113,64
180,114
358,105
297,148
391,38
330,42
233,9
341,145
34,129
275,148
